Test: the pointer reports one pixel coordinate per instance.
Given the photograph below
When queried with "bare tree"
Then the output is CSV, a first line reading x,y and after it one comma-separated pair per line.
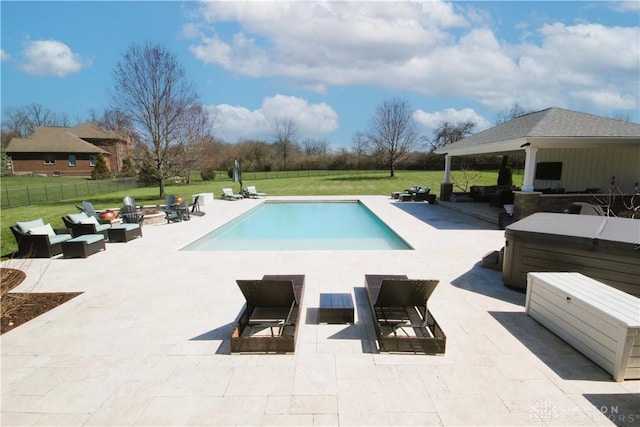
x,y
622,116
195,130
315,147
285,132
151,88
23,121
448,132
512,112
392,131
114,120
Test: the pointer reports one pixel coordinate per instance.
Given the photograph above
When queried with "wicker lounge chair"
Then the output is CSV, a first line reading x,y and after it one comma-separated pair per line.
x,y
270,320
36,239
400,316
81,224
228,194
422,194
251,192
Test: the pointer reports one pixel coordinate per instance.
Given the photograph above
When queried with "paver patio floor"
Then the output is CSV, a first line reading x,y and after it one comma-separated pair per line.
x,y
147,343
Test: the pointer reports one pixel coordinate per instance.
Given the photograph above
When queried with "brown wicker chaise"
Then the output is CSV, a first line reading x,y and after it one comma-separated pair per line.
x,y
269,322
400,316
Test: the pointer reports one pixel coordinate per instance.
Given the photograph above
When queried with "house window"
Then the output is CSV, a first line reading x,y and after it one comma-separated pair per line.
x,y
93,159
49,159
72,159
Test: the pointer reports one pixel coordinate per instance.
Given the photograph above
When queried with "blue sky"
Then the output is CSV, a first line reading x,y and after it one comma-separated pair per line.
x,y
328,65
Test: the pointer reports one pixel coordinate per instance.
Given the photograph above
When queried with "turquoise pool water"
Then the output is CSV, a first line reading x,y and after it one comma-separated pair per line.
x,y
302,226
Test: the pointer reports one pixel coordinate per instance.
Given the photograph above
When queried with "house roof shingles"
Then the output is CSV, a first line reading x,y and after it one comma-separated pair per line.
x,y
552,123
91,131
53,139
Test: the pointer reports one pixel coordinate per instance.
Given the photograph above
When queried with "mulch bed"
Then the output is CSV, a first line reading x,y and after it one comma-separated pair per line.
x,y
20,307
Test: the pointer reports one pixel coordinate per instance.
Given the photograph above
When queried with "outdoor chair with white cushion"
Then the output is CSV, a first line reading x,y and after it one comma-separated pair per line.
x,y
36,239
81,224
251,192
228,194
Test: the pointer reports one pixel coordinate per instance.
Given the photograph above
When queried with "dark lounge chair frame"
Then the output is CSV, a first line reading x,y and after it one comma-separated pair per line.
x,y
272,303
37,245
396,302
79,229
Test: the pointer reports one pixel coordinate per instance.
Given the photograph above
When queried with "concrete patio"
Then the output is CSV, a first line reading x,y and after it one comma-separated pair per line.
x,y
147,343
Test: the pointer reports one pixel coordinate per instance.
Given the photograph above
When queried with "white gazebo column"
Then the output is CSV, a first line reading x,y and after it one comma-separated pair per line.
x,y
526,201
447,169
529,169
446,188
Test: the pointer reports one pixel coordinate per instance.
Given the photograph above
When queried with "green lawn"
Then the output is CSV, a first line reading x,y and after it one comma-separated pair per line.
x,y
362,183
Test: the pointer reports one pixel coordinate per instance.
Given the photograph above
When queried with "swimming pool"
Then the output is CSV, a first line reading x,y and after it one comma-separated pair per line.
x,y
302,226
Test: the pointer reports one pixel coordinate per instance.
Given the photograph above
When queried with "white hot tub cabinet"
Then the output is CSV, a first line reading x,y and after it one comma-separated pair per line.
x,y
602,322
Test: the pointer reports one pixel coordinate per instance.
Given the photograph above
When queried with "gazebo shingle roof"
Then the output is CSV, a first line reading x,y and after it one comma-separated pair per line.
x,y
552,123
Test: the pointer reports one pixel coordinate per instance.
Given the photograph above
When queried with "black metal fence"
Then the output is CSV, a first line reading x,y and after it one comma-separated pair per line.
x,y
54,191
51,192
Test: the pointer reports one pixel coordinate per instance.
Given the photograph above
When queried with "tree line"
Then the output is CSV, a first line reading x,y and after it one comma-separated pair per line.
x,y
154,104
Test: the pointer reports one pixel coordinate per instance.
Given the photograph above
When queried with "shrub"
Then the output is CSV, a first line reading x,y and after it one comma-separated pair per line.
x,y
100,170
128,169
208,174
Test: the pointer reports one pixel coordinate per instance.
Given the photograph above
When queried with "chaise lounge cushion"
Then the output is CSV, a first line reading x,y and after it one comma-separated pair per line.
x,y
90,220
59,238
26,226
77,218
47,230
83,218
44,229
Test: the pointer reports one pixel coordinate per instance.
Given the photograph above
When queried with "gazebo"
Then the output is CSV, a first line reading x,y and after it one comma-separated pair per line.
x,y
570,156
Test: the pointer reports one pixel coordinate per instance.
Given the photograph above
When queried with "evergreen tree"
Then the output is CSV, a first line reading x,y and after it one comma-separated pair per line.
x,y
128,169
101,170
5,162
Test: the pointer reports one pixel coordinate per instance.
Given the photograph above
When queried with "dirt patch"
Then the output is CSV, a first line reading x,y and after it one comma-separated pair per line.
x,y
20,307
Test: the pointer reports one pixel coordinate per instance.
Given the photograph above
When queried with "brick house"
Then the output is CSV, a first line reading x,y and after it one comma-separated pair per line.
x,y
58,151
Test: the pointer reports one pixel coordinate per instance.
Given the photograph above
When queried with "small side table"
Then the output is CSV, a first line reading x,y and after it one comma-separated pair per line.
x,y
335,308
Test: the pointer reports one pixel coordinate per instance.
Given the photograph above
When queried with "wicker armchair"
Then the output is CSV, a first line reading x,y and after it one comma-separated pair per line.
x,y
38,245
81,224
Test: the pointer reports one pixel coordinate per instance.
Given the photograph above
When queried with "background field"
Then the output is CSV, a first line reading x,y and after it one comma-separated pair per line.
x,y
286,184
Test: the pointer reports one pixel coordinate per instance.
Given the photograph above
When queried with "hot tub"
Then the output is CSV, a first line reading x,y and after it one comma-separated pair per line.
x,y
604,248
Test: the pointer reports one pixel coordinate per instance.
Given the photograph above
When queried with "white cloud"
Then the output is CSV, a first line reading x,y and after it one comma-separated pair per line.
x,y
428,122
51,58
237,123
572,61
609,97
4,56
632,6
434,48
320,44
